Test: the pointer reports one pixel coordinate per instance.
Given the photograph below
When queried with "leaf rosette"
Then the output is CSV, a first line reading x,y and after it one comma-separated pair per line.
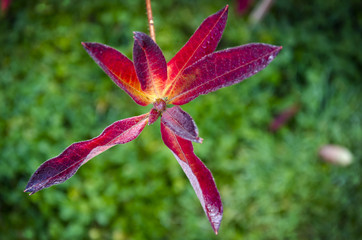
x,y
195,70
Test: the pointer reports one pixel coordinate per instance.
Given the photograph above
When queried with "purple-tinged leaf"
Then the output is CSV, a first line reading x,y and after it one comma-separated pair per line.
x,y
154,115
64,166
222,69
200,177
181,123
120,69
283,118
242,6
5,5
202,42
150,64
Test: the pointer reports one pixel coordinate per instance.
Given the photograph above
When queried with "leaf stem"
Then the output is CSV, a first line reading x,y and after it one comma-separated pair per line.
x,y
150,20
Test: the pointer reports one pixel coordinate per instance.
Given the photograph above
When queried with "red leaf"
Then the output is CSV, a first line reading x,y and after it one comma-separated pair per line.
x,y
200,177
150,64
4,5
222,69
154,115
120,69
242,6
202,42
283,118
195,70
181,123
64,166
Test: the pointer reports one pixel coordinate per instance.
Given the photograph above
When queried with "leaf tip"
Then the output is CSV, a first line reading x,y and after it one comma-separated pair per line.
x,y
215,227
225,10
84,44
27,190
87,46
137,35
215,221
277,51
279,48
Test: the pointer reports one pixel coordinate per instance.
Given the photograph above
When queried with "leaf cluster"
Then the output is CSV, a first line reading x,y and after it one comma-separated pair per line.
x,y
272,184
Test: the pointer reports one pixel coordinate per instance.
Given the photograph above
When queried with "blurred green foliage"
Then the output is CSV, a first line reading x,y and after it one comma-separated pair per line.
x,y
272,185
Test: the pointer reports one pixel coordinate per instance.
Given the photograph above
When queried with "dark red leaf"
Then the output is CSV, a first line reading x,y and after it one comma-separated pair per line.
x,y
120,69
150,64
242,6
194,71
181,123
154,115
283,117
4,5
62,167
222,69
200,177
202,42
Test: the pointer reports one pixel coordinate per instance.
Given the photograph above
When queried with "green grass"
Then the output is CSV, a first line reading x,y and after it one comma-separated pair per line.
x,y
273,186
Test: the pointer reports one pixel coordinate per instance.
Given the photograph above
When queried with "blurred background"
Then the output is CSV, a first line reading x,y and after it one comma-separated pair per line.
x,y
262,137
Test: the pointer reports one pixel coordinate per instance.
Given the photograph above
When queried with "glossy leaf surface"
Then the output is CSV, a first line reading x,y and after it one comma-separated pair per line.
x,y
120,69
222,69
64,166
181,123
150,64
202,42
200,177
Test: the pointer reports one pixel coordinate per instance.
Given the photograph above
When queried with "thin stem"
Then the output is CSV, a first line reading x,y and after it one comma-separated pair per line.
x,y
150,20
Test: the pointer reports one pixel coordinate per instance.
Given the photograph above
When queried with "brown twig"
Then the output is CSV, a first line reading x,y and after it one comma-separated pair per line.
x,y
150,20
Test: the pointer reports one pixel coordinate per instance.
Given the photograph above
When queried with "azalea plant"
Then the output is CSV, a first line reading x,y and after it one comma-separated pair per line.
x,y
195,70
